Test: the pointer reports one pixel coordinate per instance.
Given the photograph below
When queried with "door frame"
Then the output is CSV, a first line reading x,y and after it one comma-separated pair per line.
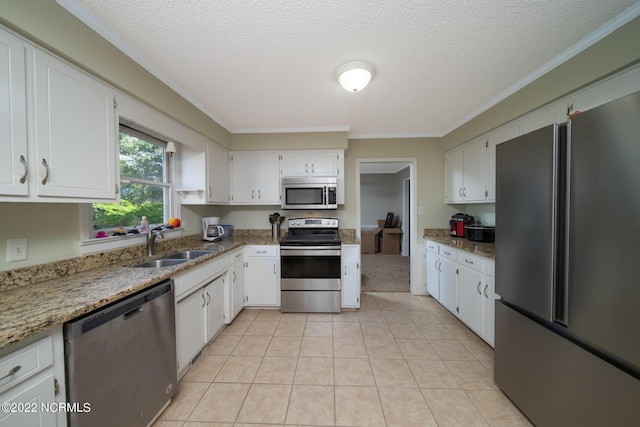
x,y
413,215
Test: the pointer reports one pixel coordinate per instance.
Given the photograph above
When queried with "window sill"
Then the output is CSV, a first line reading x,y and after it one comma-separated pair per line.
x,y
92,246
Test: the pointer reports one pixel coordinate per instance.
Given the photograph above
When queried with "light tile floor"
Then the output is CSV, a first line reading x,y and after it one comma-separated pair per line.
x,y
400,360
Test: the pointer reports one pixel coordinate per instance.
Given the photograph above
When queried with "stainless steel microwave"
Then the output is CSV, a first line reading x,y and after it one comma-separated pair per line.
x,y
309,193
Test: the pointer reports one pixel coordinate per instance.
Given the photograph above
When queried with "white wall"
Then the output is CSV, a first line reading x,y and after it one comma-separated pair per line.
x,y
379,194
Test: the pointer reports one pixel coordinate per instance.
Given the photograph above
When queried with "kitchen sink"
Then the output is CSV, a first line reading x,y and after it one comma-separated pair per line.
x,y
184,255
161,263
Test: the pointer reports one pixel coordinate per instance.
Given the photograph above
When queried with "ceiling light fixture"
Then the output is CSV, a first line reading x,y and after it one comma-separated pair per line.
x,y
355,75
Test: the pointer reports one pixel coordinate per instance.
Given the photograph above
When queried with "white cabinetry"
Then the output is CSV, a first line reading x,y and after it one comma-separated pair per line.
x,y
234,290
66,152
316,163
310,163
255,178
350,276
217,174
494,138
464,284
200,306
74,132
262,275
13,120
448,278
203,175
465,173
433,270
33,379
470,287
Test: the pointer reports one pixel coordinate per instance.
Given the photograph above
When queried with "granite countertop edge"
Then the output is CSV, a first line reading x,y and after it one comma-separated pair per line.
x,y
28,310
483,249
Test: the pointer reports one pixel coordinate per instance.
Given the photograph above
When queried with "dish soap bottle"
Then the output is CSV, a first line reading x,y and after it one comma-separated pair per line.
x,y
144,225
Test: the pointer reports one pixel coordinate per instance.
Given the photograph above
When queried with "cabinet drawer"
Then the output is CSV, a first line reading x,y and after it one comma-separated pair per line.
x,y
433,246
470,260
25,362
200,275
261,251
449,252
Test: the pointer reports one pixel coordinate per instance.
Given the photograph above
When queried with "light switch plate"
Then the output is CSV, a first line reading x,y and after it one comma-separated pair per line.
x,y
16,250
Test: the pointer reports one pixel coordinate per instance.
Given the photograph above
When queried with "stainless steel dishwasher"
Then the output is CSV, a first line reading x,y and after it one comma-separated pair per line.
x,y
121,360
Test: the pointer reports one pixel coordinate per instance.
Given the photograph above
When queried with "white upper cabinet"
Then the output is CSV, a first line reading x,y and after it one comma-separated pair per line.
x,y
74,132
13,120
311,163
255,178
465,173
217,174
59,144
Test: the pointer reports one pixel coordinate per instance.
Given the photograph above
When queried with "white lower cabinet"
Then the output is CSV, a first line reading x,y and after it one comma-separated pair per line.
x,y
234,288
448,284
350,276
200,308
432,266
214,306
464,284
190,328
32,383
262,275
470,287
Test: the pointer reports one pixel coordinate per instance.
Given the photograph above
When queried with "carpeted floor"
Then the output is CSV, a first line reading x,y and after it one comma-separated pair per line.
x,y
385,273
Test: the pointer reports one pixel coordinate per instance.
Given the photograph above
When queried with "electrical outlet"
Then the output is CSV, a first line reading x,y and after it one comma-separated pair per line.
x,y
16,250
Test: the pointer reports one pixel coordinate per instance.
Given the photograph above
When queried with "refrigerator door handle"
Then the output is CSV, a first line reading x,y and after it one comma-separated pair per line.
x,y
560,231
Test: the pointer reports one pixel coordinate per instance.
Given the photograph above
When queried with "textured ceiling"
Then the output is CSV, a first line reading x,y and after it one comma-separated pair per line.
x,y
269,66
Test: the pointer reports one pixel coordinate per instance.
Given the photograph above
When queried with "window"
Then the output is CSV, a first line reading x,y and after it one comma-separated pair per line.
x,y
145,186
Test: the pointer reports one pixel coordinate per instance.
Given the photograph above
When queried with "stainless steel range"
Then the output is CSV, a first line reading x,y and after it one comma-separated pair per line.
x,y
310,266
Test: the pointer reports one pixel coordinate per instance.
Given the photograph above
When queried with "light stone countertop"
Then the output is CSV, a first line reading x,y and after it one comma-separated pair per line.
x,y
63,292
32,308
486,250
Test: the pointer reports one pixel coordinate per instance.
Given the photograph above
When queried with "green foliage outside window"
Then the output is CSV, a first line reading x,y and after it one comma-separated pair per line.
x,y
141,160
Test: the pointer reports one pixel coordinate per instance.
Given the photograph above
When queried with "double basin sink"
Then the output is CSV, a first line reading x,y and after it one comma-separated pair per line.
x,y
173,259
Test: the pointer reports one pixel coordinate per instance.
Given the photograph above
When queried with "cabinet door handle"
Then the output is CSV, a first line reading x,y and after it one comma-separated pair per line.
x,y
439,266
485,291
313,168
464,191
447,253
23,178
345,270
306,168
208,298
468,262
11,372
46,168
259,194
479,291
204,300
261,252
210,192
274,269
460,192
234,276
252,194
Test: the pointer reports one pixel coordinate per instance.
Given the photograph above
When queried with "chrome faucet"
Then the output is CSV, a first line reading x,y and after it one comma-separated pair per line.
x,y
152,235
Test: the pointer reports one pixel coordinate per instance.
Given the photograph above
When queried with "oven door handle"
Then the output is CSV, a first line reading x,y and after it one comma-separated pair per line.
x,y
308,251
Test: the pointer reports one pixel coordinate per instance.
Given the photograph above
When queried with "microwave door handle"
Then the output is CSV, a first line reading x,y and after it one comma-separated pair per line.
x,y
324,195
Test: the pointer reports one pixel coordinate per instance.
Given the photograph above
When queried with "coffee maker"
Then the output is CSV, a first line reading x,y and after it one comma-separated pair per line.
x,y
457,223
210,228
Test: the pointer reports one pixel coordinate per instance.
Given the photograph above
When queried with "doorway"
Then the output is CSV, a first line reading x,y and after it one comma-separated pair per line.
x,y
406,193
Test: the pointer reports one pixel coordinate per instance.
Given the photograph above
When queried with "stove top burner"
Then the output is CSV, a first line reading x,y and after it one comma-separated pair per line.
x,y
312,231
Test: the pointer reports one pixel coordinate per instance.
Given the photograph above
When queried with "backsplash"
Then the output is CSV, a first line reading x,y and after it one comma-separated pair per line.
x,y
11,279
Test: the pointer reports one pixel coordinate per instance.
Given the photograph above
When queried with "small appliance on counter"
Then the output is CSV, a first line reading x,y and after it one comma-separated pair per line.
x,y
210,228
458,222
480,233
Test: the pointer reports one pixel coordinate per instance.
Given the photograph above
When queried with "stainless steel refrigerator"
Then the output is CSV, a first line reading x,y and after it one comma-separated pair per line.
x,y
567,338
